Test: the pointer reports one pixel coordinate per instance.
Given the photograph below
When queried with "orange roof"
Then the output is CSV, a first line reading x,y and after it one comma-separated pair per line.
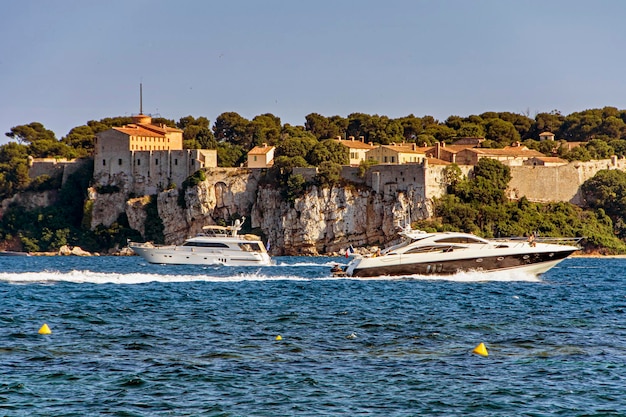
x,y
456,148
355,144
260,150
146,130
435,161
407,148
507,151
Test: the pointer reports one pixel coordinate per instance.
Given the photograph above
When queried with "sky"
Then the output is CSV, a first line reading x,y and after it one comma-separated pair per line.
x,y
65,62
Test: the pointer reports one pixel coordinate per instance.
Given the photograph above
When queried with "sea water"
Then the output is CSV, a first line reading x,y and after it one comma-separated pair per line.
x,y
134,339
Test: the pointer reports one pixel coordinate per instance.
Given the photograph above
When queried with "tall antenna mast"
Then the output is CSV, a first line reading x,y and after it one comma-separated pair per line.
x,y
140,98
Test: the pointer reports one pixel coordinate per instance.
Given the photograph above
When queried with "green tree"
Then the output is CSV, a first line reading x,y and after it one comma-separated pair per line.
x,y
265,128
230,127
81,139
31,133
326,127
13,169
501,133
329,174
328,151
229,155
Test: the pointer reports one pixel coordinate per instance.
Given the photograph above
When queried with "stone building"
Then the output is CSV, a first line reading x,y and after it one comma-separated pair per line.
x,y
509,155
545,161
261,156
358,149
398,154
449,152
143,158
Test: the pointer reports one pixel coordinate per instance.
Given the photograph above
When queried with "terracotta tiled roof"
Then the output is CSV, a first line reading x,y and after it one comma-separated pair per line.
x,y
407,149
456,148
508,151
141,129
260,150
355,144
435,161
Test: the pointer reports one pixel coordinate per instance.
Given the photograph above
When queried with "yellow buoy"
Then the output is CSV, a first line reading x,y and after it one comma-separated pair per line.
x,y
44,329
279,337
481,350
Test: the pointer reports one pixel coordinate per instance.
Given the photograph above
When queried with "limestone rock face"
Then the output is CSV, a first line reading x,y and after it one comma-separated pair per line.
x,y
329,220
136,213
30,200
321,221
106,208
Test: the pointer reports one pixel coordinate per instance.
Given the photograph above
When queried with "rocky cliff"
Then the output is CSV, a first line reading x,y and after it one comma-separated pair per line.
x,y
321,221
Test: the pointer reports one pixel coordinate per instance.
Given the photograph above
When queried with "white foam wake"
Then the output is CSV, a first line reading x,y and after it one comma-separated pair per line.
x,y
131,278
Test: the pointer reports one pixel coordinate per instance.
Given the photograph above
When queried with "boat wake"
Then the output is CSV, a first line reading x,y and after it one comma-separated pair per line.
x,y
84,277
91,277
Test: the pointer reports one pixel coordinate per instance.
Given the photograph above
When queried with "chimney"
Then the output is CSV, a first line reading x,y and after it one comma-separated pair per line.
x,y
362,139
414,146
265,145
351,138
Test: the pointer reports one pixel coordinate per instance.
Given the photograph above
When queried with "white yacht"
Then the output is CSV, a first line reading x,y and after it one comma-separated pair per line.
x,y
447,253
216,245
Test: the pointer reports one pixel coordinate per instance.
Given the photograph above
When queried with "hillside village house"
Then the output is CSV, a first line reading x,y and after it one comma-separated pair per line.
x,y
358,149
546,161
146,157
509,155
398,154
448,152
261,156
546,136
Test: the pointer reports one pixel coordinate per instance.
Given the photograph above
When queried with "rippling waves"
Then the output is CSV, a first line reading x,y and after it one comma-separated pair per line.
x,y
191,341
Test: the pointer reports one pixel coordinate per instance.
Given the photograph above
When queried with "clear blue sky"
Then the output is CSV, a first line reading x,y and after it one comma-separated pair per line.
x,y
65,62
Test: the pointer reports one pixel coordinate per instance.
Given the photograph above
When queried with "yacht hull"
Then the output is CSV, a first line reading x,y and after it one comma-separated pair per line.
x,y
535,263
181,255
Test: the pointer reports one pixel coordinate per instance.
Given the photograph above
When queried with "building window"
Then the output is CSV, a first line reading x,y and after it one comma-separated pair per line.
x,y
156,161
254,158
119,161
175,161
139,162
385,159
393,159
104,162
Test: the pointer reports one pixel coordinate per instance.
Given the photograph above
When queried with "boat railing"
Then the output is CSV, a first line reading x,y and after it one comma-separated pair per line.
x,y
519,240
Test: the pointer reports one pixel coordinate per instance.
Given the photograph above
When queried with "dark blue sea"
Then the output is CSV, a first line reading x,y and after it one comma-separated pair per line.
x,y
133,339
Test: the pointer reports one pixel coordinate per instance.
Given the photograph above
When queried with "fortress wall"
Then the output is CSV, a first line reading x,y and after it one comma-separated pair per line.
x,y
55,167
545,184
49,168
560,183
435,181
404,176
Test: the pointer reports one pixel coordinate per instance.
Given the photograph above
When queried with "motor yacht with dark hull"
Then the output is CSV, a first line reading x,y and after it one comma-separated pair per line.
x,y
448,253
216,245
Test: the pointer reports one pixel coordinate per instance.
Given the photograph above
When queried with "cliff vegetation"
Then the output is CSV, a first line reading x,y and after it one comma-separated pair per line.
x,y
348,212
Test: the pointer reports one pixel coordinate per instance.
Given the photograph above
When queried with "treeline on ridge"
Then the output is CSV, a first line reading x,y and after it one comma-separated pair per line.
x,y
601,131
